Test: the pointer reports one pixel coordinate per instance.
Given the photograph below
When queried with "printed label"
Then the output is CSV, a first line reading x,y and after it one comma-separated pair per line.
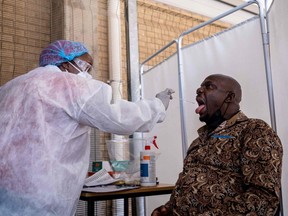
x,y
144,170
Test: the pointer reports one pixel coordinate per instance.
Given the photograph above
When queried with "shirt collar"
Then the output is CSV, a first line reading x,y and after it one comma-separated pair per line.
x,y
238,117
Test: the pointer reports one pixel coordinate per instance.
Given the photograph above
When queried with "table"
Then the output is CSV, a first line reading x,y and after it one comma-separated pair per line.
x,y
91,197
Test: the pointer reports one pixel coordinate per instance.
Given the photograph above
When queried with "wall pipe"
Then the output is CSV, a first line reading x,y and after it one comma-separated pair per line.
x,y
114,46
114,40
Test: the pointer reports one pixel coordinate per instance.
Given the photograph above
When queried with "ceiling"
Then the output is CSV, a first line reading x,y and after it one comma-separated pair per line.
x,y
212,8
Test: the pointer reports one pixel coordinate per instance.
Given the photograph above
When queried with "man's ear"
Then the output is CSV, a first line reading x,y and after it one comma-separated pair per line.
x,y
230,97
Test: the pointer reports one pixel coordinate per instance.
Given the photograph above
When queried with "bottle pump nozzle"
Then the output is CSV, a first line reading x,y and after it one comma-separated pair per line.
x,y
154,142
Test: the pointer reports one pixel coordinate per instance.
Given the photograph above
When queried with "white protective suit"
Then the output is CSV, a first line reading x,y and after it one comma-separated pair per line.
x,y
45,117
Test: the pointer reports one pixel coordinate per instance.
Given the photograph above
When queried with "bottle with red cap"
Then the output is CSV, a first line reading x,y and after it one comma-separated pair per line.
x,y
148,164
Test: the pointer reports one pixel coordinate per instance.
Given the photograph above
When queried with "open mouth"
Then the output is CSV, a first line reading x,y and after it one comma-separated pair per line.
x,y
201,106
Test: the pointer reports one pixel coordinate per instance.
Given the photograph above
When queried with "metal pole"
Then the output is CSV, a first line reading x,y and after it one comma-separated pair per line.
x,y
182,111
266,49
158,52
219,17
132,48
265,40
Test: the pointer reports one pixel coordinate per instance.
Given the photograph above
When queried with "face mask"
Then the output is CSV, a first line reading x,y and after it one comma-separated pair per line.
x,y
217,118
84,74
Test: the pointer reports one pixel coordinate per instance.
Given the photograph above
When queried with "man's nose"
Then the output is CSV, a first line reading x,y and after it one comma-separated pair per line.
x,y
199,90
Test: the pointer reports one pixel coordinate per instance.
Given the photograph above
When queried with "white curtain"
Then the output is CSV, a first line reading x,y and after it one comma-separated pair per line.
x,y
237,52
279,63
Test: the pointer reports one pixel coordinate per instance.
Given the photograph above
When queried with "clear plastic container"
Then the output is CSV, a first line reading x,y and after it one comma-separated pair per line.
x,y
124,156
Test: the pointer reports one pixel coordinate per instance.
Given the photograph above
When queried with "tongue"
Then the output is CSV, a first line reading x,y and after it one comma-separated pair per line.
x,y
198,110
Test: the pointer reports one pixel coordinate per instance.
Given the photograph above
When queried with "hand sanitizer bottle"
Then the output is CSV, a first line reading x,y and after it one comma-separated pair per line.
x,y
148,164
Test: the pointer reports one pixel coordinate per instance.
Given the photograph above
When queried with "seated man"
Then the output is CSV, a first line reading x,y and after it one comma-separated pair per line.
x,y
234,166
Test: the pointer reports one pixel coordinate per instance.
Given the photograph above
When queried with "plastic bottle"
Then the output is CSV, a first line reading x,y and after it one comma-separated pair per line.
x,y
148,164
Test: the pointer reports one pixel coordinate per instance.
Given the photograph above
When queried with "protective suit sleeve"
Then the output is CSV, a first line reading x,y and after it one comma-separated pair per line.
x,y
123,117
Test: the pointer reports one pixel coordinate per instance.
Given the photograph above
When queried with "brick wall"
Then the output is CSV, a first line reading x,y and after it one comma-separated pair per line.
x,y
159,24
102,40
24,30
29,25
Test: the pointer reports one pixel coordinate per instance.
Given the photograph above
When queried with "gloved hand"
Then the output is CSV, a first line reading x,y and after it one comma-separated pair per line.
x,y
165,96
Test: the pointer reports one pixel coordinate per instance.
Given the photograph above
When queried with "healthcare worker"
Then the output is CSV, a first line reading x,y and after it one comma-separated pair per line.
x,y
45,117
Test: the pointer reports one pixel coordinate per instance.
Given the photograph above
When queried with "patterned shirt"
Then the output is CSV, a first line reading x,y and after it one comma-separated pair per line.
x,y
234,170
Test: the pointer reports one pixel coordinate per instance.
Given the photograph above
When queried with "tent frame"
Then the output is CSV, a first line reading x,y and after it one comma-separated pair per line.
x,y
266,50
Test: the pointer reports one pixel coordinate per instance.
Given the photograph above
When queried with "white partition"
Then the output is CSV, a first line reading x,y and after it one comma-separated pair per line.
x,y
279,62
237,52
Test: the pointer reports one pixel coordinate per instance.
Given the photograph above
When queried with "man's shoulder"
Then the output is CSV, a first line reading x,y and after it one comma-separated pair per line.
x,y
241,117
259,126
257,121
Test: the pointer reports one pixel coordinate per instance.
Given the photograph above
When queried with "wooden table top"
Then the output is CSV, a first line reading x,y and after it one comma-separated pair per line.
x,y
137,192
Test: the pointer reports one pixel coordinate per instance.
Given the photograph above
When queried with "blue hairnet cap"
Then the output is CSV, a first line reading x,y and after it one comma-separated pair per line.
x,y
61,51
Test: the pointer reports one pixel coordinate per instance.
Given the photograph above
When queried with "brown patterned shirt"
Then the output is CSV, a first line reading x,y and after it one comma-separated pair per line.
x,y
235,170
